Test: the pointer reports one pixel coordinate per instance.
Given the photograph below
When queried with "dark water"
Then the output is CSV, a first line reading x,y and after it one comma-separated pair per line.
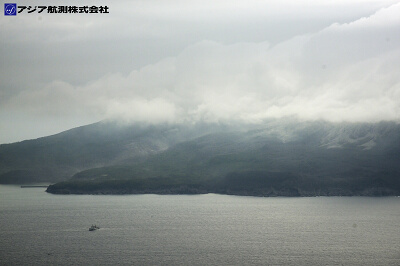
x,y
43,229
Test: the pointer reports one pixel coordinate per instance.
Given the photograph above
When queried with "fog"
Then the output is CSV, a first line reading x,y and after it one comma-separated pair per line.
x,y
149,61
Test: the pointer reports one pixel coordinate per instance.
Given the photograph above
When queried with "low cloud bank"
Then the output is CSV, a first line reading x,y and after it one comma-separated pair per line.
x,y
346,72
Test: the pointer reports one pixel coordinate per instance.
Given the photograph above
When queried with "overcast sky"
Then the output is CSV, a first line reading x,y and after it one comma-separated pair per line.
x,y
184,61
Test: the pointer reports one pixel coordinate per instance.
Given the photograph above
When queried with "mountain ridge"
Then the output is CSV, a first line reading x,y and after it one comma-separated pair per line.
x,y
280,157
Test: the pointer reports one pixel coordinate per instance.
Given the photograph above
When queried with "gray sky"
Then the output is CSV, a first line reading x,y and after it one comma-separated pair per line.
x,y
185,61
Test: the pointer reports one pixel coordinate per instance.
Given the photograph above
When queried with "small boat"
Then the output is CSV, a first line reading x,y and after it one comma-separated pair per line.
x,y
93,227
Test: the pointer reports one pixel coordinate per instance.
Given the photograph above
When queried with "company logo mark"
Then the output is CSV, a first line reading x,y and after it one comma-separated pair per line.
x,y
10,9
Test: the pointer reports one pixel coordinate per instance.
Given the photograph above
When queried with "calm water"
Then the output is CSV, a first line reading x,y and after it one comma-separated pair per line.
x,y
43,229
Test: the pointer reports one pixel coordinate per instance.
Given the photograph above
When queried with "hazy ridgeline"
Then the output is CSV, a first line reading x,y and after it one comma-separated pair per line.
x,y
280,157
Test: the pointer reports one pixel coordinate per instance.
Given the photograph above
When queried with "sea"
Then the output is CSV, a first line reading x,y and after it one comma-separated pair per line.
x,y
37,228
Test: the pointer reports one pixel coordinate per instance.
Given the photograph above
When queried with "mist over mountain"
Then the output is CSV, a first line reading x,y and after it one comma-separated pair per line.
x,y
57,157
201,61
278,157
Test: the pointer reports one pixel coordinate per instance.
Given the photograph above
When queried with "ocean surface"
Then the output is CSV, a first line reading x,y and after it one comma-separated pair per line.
x,y
38,228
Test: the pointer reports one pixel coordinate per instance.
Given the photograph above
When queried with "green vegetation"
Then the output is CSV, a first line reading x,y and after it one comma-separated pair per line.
x,y
292,159
237,164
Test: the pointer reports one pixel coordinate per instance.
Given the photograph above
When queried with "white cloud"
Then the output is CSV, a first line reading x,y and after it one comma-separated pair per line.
x,y
343,72
251,81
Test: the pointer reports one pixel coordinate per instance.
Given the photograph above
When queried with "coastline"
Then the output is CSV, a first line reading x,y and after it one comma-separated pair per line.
x,y
182,190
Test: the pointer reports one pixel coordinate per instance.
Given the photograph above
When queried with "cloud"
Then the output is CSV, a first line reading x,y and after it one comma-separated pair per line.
x,y
156,110
346,72
204,61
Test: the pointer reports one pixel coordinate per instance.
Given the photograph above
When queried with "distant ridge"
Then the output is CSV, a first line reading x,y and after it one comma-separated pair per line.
x,y
58,157
277,158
